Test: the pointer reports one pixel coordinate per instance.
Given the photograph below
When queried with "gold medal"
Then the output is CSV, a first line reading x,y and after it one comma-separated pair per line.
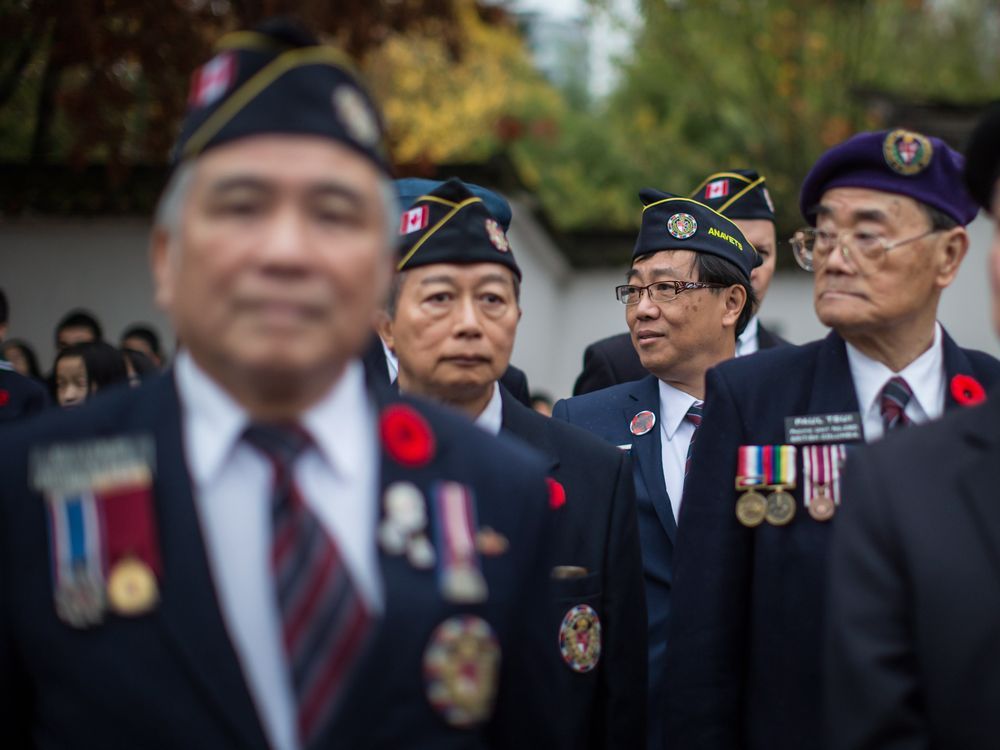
x,y
821,505
751,508
132,588
780,508
461,667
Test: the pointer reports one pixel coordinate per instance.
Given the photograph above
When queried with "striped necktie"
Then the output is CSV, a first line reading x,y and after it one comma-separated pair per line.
x,y
694,417
323,620
896,394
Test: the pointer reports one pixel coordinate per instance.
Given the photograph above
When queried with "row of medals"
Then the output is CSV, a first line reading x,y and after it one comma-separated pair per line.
x,y
778,508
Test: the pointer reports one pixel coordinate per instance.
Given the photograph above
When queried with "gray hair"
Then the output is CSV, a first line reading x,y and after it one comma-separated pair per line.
x,y
170,208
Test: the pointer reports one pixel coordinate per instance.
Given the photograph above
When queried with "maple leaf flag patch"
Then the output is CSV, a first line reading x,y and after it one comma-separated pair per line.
x,y
212,80
413,220
717,189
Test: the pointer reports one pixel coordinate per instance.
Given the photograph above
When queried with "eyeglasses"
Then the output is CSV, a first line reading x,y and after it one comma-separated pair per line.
x,y
866,251
661,291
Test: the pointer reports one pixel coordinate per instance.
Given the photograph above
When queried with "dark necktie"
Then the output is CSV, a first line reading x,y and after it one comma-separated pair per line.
x,y
896,395
694,417
323,620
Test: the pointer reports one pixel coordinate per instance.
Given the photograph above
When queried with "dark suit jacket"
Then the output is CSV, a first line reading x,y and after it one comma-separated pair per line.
x,y
744,666
171,678
596,530
19,396
614,360
607,414
914,623
513,379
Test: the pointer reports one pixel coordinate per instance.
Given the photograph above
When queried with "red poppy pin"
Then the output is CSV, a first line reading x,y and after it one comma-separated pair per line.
x,y
967,391
4,397
557,493
406,436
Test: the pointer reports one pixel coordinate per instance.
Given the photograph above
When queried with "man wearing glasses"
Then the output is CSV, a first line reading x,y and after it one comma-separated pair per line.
x,y
887,213
687,298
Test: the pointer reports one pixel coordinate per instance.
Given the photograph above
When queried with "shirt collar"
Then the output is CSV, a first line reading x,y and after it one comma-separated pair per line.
x,y
214,421
750,332
924,375
491,418
674,405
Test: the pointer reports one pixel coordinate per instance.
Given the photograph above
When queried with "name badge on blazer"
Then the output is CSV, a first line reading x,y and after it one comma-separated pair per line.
x,y
824,429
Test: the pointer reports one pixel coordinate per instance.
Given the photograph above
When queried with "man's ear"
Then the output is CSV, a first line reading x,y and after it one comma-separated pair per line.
x,y
950,252
735,298
383,327
162,268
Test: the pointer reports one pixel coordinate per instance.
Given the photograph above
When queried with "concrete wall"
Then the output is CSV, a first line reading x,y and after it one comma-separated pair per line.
x,y
48,267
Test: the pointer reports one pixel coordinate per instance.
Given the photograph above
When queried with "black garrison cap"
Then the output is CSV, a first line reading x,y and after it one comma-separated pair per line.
x,y
738,194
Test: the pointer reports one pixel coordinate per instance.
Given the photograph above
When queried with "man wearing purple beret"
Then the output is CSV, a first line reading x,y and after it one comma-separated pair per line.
x,y
887,214
912,624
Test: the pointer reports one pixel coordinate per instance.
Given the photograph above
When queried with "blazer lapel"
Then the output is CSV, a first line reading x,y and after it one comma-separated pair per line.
x,y
980,479
833,386
647,450
955,363
517,420
189,612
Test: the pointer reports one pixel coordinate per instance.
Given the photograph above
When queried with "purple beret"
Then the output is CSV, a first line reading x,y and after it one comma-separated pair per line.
x,y
898,161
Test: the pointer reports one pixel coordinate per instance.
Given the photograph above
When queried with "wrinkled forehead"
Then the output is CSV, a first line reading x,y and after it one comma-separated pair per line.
x,y
849,205
663,264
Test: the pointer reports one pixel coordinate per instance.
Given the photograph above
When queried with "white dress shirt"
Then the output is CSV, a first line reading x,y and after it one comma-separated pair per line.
x,y
491,418
231,484
925,375
675,437
391,362
746,342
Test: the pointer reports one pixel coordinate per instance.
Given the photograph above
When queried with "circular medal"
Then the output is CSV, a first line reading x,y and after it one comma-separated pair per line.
x,y
80,601
906,152
132,588
580,638
642,423
356,117
780,508
682,226
461,669
405,507
751,508
821,506
420,552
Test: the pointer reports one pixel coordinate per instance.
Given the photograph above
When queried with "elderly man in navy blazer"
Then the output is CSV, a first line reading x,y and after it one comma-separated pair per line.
x,y
740,195
452,318
915,558
887,214
257,549
687,297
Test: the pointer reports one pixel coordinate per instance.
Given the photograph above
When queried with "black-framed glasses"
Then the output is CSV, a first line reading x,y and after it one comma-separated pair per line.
x,y
661,291
812,247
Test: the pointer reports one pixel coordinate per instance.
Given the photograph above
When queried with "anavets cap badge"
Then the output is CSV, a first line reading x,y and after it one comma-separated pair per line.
x,y
682,226
907,152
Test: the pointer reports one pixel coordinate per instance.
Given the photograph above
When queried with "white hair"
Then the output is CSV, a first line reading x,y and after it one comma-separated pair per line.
x,y
170,208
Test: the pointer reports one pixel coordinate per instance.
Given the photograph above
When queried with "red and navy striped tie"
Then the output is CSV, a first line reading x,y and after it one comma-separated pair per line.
x,y
896,395
694,417
323,619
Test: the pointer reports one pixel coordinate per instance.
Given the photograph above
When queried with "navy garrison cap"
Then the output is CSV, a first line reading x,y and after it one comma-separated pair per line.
x,y
673,223
898,161
452,225
738,194
278,79
410,188
982,158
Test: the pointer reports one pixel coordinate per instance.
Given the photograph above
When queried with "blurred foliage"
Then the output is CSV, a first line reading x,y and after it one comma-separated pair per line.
x,y
767,84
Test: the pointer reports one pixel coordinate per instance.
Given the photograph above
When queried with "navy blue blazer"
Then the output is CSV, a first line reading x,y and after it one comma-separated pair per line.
x,y
595,530
914,558
744,666
171,678
607,414
614,360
